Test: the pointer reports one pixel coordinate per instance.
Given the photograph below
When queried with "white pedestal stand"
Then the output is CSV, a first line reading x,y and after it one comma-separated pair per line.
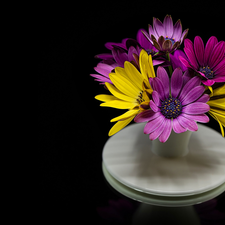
x,y
167,187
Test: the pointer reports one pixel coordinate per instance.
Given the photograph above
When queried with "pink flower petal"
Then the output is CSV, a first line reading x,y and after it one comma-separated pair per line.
x,y
187,123
193,95
205,98
155,134
153,124
154,107
167,131
158,27
191,57
157,85
168,25
217,54
208,82
147,115
199,117
163,76
177,31
208,49
195,81
177,127
155,97
176,82
199,50
196,108
186,63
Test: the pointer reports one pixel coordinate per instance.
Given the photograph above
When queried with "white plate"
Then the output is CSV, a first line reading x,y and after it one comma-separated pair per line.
x,y
128,158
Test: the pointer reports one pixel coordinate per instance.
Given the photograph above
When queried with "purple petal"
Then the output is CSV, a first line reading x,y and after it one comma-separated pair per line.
x,y
196,108
220,66
187,123
101,79
120,56
189,50
103,69
199,49
155,134
177,127
163,76
208,49
142,40
147,115
154,107
177,30
193,95
151,32
217,54
191,57
167,131
168,25
176,82
208,82
153,124
110,45
184,35
187,76
205,98
155,97
186,63
195,81
132,50
147,36
198,118
158,27
157,85
219,78
176,61
104,56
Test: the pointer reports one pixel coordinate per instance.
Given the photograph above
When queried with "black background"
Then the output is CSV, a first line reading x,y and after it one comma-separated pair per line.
x,y
72,128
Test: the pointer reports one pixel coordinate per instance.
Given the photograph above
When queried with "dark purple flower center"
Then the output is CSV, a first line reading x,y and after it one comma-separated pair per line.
x,y
171,39
207,71
171,108
150,51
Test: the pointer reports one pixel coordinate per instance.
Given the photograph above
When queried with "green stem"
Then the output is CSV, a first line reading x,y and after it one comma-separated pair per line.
x,y
170,67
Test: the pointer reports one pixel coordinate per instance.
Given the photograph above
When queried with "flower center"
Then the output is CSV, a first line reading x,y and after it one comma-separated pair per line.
x,y
171,39
150,51
171,108
207,71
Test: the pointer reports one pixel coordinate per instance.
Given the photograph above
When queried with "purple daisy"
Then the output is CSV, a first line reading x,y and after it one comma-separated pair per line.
x,y
128,50
176,104
209,62
164,36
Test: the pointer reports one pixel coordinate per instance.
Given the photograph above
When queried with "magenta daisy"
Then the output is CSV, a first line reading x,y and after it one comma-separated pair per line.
x,y
176,104
208,61
165,36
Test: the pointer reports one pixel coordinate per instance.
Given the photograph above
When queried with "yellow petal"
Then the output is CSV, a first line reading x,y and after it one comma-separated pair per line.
x,y
152,73
133,74
218,103
219,91
146,65
124,85
218,119
119,104
126,115
118,93
105,98
120,125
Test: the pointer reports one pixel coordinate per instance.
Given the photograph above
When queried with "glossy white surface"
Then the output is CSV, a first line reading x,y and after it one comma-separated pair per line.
x,y
128,158
166,201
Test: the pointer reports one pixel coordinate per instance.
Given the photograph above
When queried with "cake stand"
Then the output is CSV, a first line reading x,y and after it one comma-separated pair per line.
x,y
165,186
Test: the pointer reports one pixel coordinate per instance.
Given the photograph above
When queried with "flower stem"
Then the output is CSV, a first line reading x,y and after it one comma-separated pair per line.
x,y
170,67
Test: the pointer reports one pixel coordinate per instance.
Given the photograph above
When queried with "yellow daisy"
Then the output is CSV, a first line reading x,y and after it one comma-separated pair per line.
x,y
217,105
130,90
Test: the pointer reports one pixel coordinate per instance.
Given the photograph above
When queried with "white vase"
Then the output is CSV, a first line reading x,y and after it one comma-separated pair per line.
x,y
175,146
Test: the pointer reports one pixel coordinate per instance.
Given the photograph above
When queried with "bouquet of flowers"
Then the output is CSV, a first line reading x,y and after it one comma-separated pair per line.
x,y
162,84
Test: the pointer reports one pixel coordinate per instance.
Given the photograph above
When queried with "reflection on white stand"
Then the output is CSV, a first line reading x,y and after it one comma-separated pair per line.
x,y
169,186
